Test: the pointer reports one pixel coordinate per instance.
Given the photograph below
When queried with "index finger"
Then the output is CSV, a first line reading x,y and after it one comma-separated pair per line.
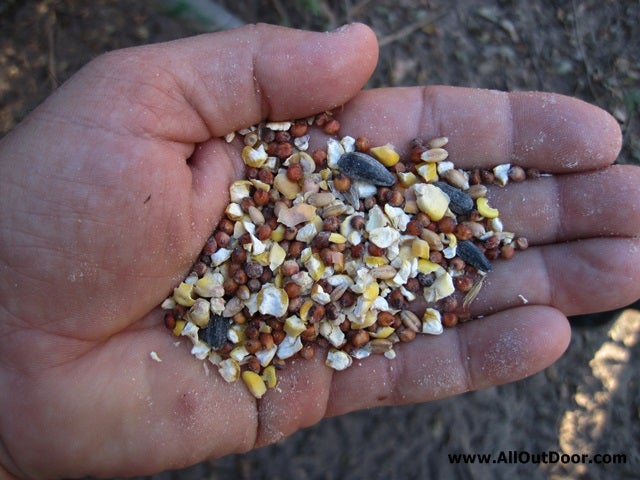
x,y
547,131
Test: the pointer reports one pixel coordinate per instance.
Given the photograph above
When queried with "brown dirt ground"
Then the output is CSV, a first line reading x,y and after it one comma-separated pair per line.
x,y
589,401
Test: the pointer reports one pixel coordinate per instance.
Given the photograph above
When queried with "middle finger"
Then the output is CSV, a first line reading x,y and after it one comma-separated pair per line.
x,y
571,207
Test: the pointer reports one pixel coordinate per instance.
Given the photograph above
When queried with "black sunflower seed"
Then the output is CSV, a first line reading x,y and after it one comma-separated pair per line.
x,y
215,333
471,254
360,166
461,203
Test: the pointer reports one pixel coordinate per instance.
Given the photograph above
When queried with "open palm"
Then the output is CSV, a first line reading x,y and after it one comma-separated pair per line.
x,y
110,189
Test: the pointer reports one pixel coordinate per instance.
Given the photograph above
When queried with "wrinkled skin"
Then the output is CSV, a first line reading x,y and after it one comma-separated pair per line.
x,y
111,187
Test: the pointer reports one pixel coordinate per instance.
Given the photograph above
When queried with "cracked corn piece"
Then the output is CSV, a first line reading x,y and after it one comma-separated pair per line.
x,y
254,383
431,200
182,294
199,312
294,326
289,347
428,171
484,209
254,157
270,377
338,360
385,154
432,322
272,301
229,370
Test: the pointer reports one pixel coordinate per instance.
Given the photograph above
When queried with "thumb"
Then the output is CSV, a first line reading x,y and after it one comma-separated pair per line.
x,y
126,127
196,88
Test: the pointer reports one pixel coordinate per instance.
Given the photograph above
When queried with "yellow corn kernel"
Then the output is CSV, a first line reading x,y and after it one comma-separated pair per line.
x,y
254,383
294,326
278,280
484,209
371,291
234,212
325,173
261,258
236,334
229,370
254,157
431,200
177,330
428,171
318,222
386,155
371,261
405,253
382,332
199,312
450,250
337,238
407,179
420,248
304,310
314,266
182,294
285,186
239,190
427,266
270,376
277,234
261,185
369,319
272,300
276,256
430,314
209,285
442,287
264,328
431,322
239,353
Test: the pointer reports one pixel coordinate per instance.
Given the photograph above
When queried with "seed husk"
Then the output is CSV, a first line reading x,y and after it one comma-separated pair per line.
x,y
472,294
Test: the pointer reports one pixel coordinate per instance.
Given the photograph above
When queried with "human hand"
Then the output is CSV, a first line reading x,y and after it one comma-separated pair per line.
x,y
110,189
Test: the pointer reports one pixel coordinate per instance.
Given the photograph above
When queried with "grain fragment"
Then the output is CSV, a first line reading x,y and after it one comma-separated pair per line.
x,y
338,360
385,154
254,383
484,209
318,251
300,213
434,155
431,200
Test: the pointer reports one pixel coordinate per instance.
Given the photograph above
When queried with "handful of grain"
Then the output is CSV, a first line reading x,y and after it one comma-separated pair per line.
x,y
325,251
